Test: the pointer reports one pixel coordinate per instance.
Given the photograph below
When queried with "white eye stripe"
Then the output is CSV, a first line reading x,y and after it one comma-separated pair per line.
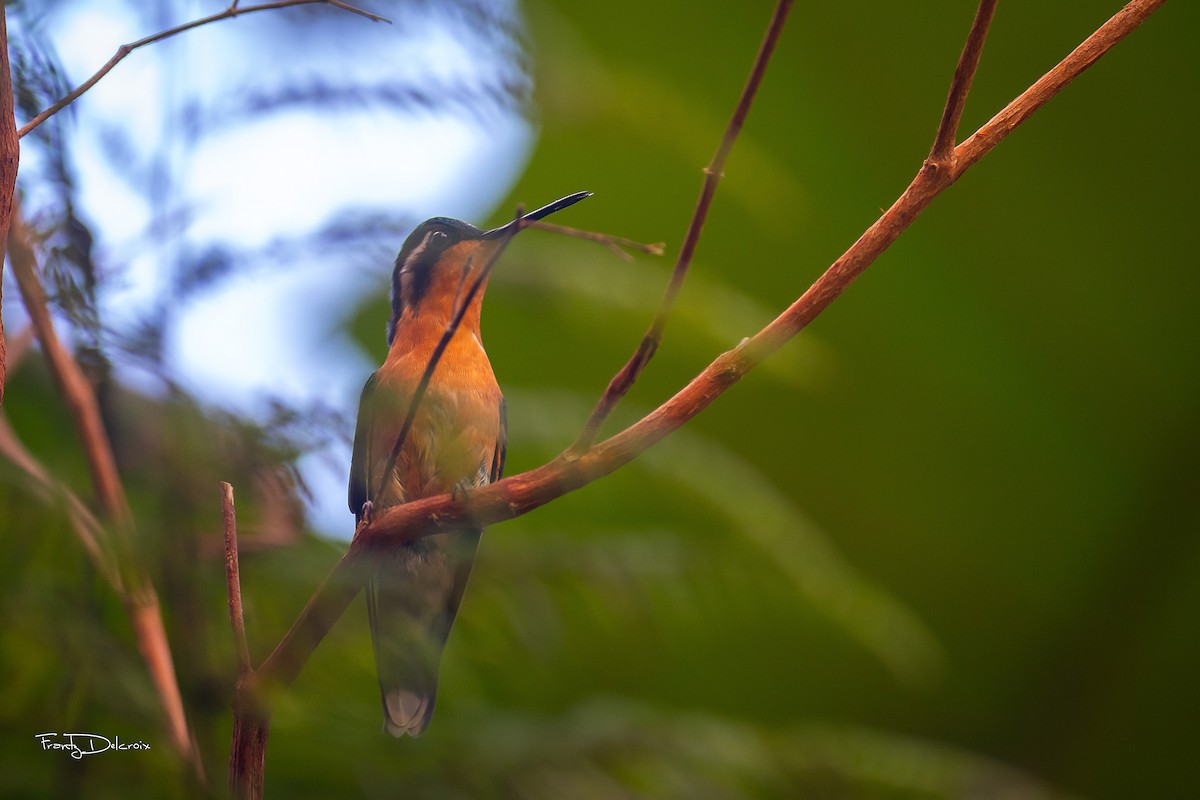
x,y
430,238
416,253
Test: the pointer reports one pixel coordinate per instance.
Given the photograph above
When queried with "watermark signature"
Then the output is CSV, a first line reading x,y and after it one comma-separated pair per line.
x,y
79,745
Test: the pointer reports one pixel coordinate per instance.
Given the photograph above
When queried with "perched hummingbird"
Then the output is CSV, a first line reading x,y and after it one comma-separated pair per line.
x,y
457,440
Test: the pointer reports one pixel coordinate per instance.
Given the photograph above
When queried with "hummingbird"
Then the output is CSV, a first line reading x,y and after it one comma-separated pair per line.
x,y
457,440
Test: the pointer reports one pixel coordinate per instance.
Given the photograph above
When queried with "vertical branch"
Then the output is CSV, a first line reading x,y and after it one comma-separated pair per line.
x,y
10,153
233,579
251,722
624,379
248,755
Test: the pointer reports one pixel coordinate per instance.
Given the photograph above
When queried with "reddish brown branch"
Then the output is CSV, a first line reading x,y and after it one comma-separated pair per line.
x,y
964,74
251,723
621,383
72,383
146,615
125,49
10,155
519,494
248,754
233,580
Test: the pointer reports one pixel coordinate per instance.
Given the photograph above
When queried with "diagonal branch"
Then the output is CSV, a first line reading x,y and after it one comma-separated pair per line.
x,y
519,494
125,49
623,381
72,383
964,73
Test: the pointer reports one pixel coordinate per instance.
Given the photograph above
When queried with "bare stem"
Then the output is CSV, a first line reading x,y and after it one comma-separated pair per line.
x,y
248,753
124,50
621,383
233,581
617,243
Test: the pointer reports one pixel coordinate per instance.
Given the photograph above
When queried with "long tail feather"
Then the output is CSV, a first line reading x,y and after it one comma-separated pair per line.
x,y
411,602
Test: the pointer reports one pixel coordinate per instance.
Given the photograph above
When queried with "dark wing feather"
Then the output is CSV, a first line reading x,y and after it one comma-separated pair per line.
x,y
359,477
501,452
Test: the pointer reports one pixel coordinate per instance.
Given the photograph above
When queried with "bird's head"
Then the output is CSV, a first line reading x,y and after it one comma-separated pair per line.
x,y
442,257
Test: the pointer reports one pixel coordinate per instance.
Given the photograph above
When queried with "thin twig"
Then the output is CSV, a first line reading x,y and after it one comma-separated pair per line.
x,y
519,494
964,74
624,379
233,581
124,50
618,244
1002,124
346,7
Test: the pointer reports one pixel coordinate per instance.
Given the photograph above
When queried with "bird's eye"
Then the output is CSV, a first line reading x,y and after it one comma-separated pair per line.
x,y
438,237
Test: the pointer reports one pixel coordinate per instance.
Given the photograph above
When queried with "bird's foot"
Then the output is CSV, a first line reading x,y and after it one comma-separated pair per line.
x,y
366,513
460,489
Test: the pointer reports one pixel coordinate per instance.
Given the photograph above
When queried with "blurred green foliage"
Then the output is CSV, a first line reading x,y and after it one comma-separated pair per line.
x,y
944,545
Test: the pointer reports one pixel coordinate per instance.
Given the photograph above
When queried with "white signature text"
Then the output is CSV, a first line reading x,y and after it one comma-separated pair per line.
x,y
79,745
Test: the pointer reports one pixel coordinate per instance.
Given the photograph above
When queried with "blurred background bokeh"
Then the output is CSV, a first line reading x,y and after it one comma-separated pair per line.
x,y
945,544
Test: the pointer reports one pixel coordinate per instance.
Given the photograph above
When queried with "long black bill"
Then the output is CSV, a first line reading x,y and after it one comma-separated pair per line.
x,y
533,216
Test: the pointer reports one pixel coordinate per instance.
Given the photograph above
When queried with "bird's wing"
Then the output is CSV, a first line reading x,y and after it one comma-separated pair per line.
x,y
360,478
501,452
